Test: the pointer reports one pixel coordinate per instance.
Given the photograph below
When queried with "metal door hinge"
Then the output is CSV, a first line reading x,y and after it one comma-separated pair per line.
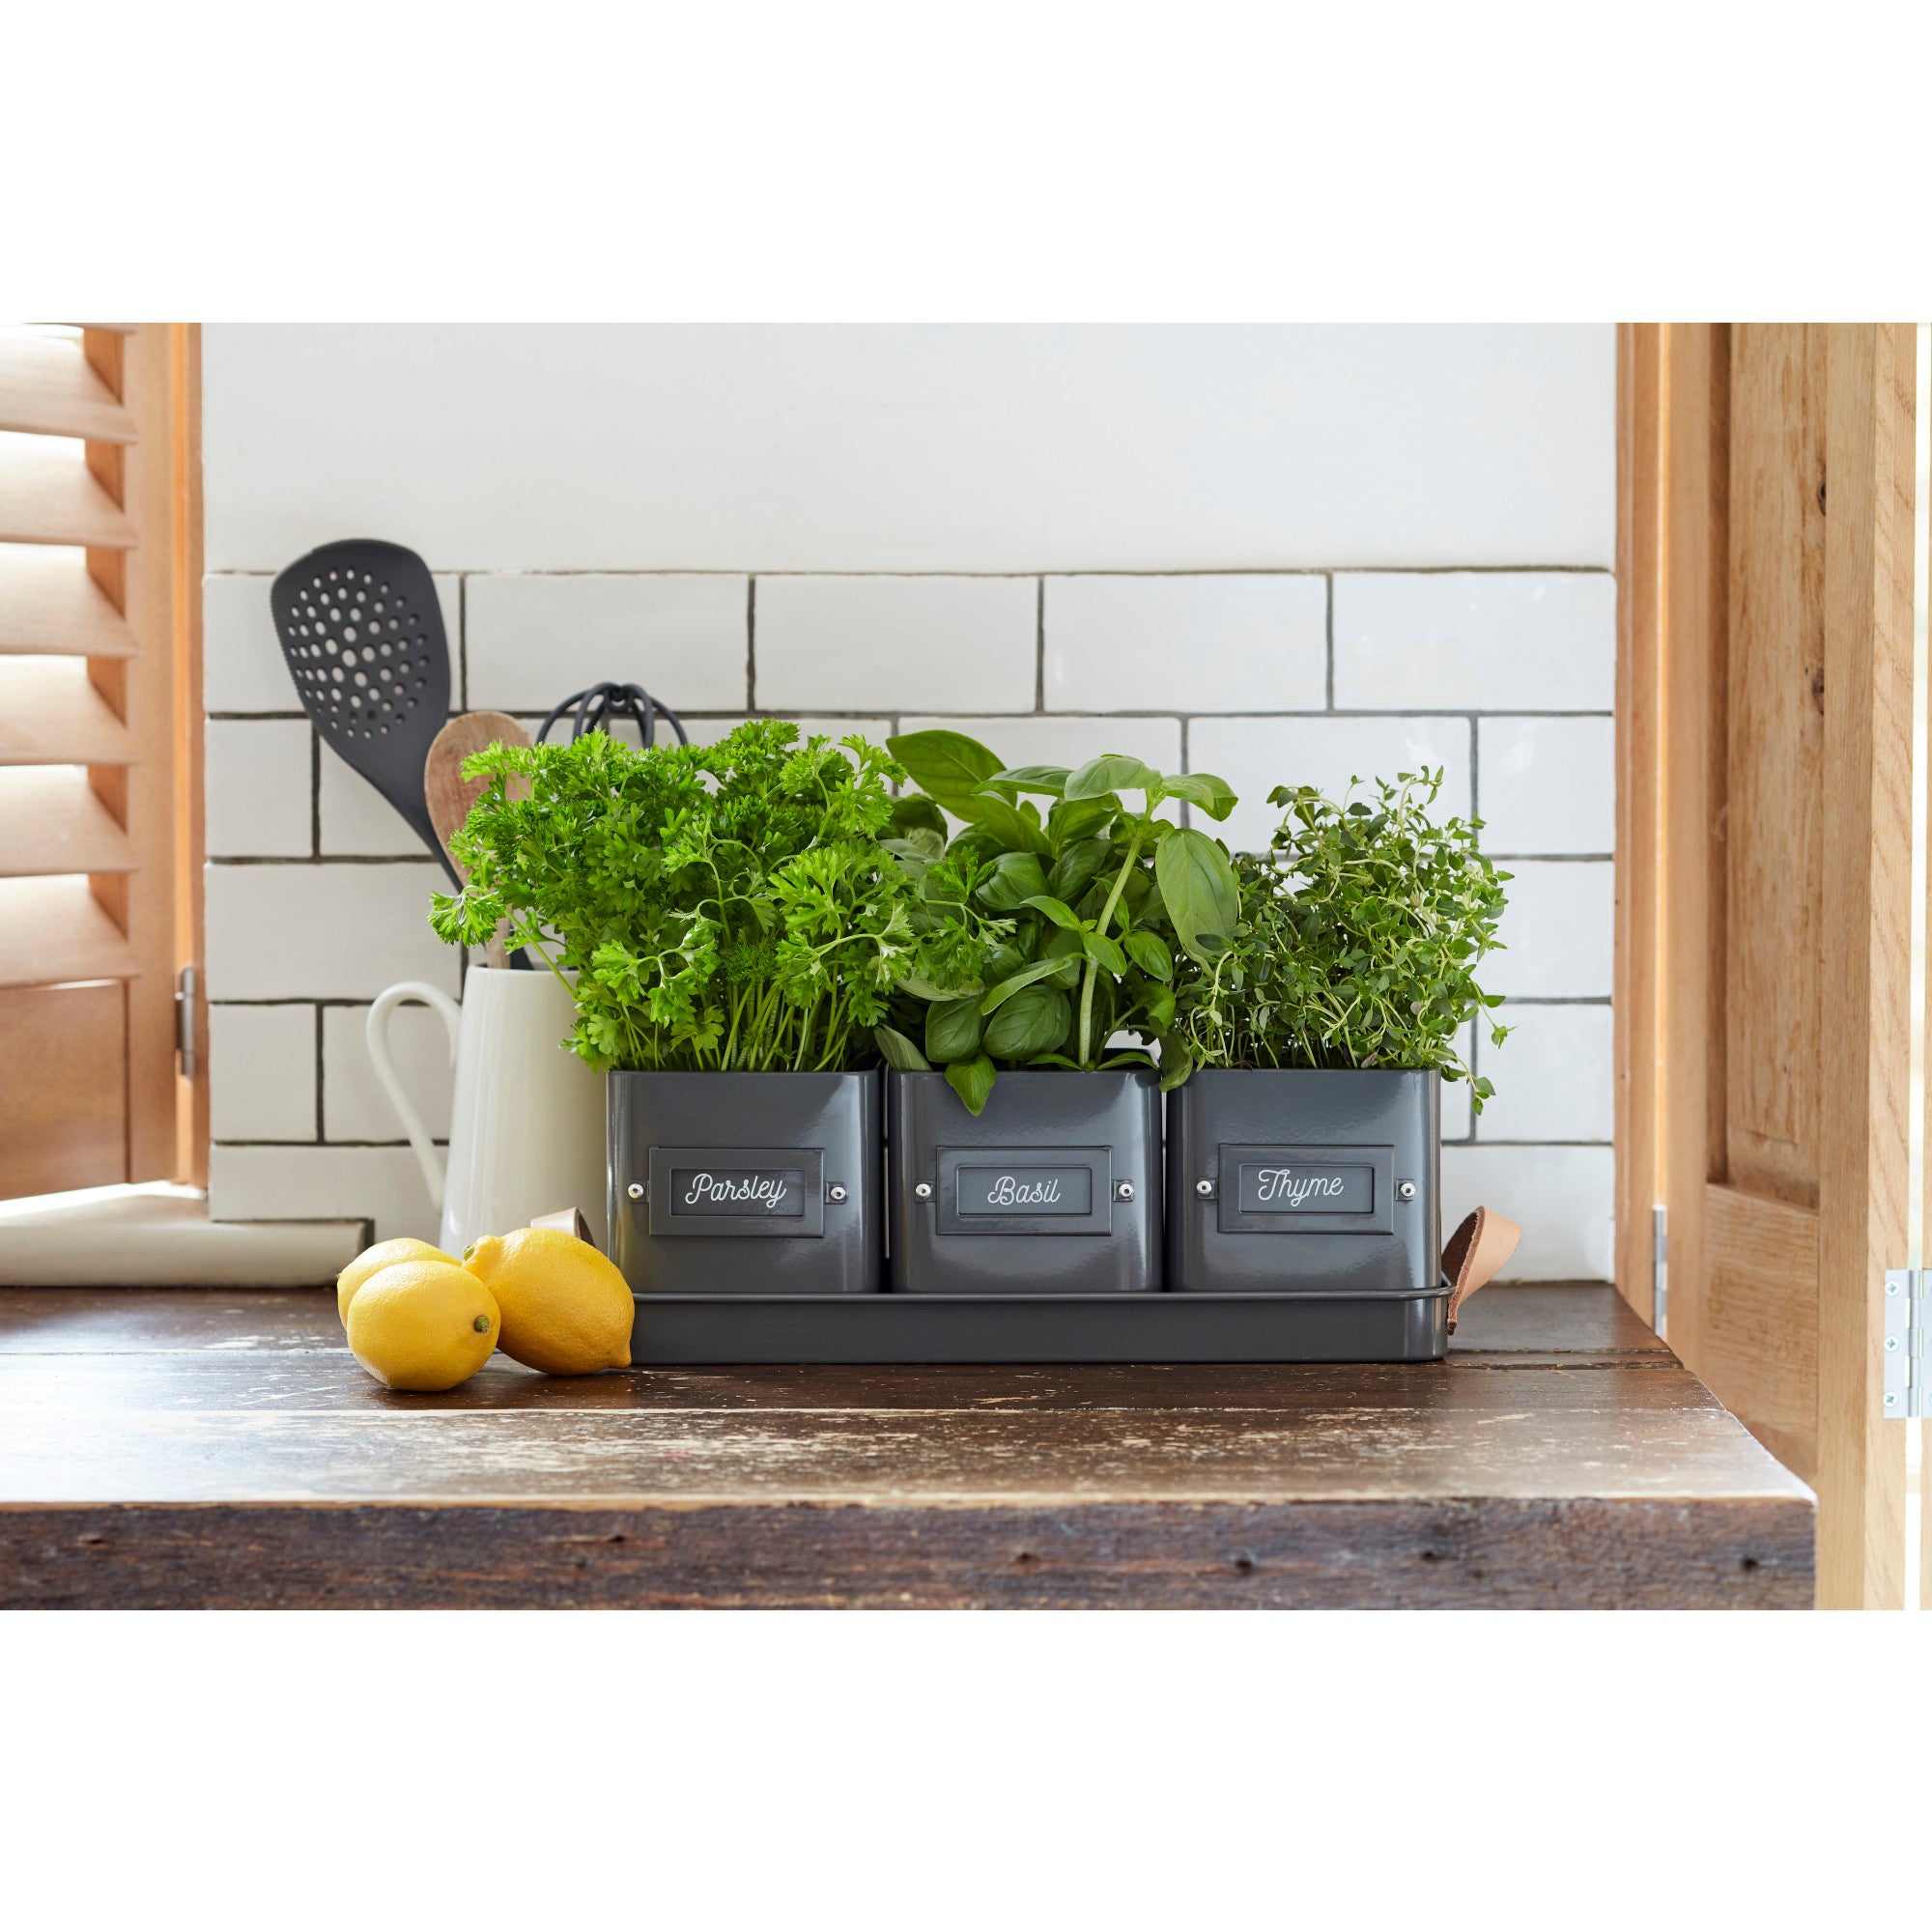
x,y
1907,1342
1659,1269
184,991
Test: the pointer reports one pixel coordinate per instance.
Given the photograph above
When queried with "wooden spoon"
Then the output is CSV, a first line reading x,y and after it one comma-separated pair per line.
x,y
450,794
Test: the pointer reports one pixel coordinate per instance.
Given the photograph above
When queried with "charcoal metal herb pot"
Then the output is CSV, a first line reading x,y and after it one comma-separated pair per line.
x,y
1304,1179
746,1184
1053,1188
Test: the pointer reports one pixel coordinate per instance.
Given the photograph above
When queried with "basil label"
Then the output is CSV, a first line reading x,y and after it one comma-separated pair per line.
x,y
737,1190
1299,1187
1026,1190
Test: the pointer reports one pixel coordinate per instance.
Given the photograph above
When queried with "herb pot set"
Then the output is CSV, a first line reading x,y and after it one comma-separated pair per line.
x,y
1141,1099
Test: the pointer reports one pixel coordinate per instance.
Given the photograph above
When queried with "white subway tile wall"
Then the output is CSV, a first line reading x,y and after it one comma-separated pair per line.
x,y
1162,541
1114,643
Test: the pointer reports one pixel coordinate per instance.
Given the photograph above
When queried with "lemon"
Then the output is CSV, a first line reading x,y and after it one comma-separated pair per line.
x,y
381,1256
566,1308
422,1324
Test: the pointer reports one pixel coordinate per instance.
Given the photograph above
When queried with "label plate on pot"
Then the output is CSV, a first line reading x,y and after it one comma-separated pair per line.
x,y
1305,1190
1026,1190
774,1191
738,1191
1036,1190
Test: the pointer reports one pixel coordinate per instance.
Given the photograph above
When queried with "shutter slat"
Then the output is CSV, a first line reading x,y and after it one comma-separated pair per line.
x,y
54,823
54,931
49,605
51,714
46,388
47,498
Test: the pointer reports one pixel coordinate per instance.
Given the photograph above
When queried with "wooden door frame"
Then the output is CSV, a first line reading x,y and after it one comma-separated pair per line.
x,y
1673,559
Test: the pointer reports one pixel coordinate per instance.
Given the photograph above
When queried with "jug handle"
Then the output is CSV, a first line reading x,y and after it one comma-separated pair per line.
x,y
376,1031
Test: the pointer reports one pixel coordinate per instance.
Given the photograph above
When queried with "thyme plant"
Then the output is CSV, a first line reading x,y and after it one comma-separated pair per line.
x,y
1357,944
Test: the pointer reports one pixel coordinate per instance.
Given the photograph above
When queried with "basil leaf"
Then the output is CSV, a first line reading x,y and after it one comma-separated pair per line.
x,y
1076,868
1016,879
953,1029
1176,1063
913,813
1149,952
1059,914
1214,796
1198,885
1010,826
1047,779
926,989
1104,952
1034,1021
973,1081
1040,969
1067,822
946,765
1113,771
899,1052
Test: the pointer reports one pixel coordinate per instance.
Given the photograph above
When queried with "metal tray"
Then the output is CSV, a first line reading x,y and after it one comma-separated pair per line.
x,y
1310,1325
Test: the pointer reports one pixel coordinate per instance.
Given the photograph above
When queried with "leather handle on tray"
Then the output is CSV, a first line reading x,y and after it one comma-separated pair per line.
x,y
1476,1251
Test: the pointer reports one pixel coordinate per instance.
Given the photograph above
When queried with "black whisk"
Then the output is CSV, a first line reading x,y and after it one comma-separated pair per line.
x,y
599,705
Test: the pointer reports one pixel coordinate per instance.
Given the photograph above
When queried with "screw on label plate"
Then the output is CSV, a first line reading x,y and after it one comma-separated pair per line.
x,y
635,1190
1406,1189
1125,1190
834,1193
1206,1189
923,1190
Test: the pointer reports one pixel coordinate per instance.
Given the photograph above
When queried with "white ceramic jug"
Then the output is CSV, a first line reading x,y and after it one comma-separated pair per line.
x,y
527,1124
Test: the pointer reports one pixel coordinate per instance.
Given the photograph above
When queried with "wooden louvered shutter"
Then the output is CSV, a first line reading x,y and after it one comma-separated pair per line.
x,y
100,568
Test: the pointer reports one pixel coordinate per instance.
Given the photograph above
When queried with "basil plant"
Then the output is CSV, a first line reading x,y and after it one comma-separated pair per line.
x,y
1051,922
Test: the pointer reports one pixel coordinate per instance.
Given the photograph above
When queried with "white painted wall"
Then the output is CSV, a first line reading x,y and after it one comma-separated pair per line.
x,y
1275,554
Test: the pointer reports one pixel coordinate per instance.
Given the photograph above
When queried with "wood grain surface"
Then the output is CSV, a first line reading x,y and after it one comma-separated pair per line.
x,y
199,1447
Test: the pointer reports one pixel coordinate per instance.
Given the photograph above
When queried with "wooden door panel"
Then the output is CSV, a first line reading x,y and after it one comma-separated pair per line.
x,y
1774,737
64,1124
1774,773
1758,1332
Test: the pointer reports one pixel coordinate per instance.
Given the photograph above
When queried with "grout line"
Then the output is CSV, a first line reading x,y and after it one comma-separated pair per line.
x,y
1329,631
463,638
320,1132
336,1144
314,794
826,711
1475,788
750,644
1039,651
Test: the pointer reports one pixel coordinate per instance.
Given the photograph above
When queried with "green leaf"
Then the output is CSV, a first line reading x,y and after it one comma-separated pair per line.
x,y
1111,772
1105,952
899,1052
1214,796
953,1029
1200,891
1032,1021
927,989
1149,952
1176,1063
1057,910
1049,781
1078,865
1070,821
946,765
973,1081
913,813
1040,969
1016,879
1009,827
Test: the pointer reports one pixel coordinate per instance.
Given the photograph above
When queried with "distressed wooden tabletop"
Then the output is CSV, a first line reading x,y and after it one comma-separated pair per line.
x,y
168,1447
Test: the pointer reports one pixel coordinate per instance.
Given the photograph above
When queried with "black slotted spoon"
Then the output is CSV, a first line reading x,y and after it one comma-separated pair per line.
x,y
362,633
